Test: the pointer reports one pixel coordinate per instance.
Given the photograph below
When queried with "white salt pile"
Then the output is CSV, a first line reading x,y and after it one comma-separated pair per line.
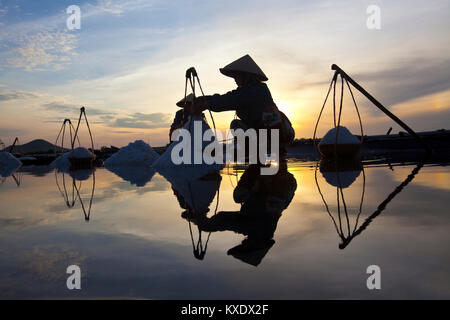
x,y
8,164
341,179
62,163
344,137
136,153
136,175
165,163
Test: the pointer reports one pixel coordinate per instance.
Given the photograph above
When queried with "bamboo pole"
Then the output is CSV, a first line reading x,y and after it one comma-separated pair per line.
x,y
382,108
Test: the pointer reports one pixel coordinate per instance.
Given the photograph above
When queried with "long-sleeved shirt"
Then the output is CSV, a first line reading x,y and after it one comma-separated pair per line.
x,y
249,102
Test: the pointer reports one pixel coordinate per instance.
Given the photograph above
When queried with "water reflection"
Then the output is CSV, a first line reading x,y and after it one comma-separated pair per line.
x,y
16,176
195,196
342,175
136,175
138,246
382,206
263,198
70,191
8,169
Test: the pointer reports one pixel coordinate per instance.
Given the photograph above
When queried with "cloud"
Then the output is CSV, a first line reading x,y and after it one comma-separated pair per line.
x,y
116,7
126,132
16,95
3,12
143,121
109,6
12,132
137,120
75,109
44,50
410,79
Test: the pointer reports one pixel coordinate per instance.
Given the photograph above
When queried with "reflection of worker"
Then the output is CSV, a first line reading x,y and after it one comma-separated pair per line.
x,y
252,101
263,199
182,116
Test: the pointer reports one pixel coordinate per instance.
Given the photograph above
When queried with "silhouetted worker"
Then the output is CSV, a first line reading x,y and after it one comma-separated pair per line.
x,y
263,199
252,101
182,116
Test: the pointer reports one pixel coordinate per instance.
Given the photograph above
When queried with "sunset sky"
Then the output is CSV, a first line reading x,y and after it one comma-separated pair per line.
x,y
127,62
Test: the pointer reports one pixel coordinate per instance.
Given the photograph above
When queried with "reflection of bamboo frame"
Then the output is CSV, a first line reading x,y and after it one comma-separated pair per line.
x,y
383,204
17,179
76,194
200,249
88,214
356,231
65,194
340,195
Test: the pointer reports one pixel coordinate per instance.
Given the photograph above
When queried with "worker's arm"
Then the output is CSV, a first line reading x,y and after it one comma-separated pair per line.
x,y
228,101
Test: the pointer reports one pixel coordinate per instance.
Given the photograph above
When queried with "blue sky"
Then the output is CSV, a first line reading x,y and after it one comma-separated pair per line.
x,y
126,64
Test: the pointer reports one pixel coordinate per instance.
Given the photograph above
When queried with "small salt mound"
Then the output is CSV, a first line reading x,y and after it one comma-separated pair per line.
x,y
8,164
344,137
165,163
62,163
137,175
341,179
136,153
80,153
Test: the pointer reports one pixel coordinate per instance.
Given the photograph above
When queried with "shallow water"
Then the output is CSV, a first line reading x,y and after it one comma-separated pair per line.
x,y
136,244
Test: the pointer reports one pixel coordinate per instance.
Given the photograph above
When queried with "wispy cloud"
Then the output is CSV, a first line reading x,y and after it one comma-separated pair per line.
x,y
408,79
62,107
117,7
3,11
42,51
16,95
110,118
143,121
12,132
110,6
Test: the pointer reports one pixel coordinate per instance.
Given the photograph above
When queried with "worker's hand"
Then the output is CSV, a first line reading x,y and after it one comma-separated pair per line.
x,y
199,105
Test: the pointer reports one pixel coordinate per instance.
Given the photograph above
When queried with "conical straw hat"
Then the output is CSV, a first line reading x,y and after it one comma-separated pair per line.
x,y
189,98
244,64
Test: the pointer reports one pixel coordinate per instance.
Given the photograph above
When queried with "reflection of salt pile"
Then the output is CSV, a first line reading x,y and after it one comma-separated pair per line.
x,y
81,174
197,194
139,176
62,163
132,163
136,153
8,164
341,179
165,163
